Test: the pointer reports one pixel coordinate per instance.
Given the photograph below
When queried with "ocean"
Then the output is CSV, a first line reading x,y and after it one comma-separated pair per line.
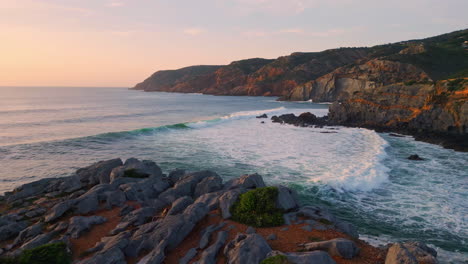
x,y
362,176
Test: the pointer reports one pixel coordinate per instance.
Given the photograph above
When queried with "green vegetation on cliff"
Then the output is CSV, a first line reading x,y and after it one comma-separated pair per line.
x,y
55,253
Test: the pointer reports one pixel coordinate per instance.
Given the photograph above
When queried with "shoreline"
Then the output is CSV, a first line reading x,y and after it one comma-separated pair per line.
x,y
122,207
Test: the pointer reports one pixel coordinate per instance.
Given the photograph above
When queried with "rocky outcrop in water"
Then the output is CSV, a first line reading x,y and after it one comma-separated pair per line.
x,y
144,216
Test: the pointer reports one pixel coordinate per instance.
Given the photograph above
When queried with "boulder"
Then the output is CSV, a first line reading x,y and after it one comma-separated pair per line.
x,y
185,186
262,116
228,199
10,228
81,224
411,253
336,247
98,172
248,181
206,234
136,168
286,199
58,210
251,248
29,232
179,205
209,255
38,241
210,199
176,175
208,185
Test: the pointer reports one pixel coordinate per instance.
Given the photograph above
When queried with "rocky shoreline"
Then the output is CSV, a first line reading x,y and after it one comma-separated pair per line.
x,y
457,142
130,212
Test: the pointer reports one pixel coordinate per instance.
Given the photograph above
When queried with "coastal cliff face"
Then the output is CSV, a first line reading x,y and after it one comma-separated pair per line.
x,y
254,77
441,107
416,86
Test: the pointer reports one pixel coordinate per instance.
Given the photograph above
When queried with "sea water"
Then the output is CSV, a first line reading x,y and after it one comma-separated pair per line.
x,y
362,176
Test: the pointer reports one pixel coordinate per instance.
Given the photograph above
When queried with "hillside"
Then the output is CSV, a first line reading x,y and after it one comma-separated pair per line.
x,y
438,57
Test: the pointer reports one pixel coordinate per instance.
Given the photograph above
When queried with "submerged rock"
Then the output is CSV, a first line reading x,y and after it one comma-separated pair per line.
x,y
415,157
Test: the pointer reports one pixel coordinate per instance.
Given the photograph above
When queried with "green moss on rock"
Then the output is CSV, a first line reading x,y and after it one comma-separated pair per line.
x,y
55,253
278,259
258,208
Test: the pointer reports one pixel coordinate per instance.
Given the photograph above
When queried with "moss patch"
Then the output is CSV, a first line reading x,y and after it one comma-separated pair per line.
x,y
133,173
55,253
258,208
279,259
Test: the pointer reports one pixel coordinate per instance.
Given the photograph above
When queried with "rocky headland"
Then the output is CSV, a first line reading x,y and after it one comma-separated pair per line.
x,y
416,87
115,212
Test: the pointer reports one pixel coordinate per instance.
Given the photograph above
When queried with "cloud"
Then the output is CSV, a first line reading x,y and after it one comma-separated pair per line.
x,y
116,4
194,31
291,31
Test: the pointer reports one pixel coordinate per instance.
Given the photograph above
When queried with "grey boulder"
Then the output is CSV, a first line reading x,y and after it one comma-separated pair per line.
x,y
251,248
336,247
81,224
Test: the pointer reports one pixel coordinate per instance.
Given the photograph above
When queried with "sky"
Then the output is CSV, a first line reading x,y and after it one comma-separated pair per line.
x,y
118,43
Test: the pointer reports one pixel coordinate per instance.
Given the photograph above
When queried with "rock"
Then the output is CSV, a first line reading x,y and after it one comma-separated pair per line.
x,y
35,212
411,253
98,172
188,256
185,186
140,216
206,234
208,185
115,198
126,210
336,247
324,216
247,181
307,228
250,248
286,199
319,257
209,255
262,116
58,210
415,157
9,229
175,175
180,204
81,224
112,256
38,241
136,168
227,200
272,237
250,230
29,190
210,199
31,231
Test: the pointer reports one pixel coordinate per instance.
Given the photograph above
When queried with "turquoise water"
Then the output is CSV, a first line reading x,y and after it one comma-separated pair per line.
x,y
361,175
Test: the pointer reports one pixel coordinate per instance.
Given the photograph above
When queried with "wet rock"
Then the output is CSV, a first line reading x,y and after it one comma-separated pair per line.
x,y
415,157
262,116
250,248
336,247
81,224
180,204
411,253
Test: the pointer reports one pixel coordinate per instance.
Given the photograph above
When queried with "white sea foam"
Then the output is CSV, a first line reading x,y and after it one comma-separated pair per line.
x,y
346,159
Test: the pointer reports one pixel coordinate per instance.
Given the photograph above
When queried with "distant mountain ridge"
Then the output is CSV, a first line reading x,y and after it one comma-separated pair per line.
x,y
440,57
